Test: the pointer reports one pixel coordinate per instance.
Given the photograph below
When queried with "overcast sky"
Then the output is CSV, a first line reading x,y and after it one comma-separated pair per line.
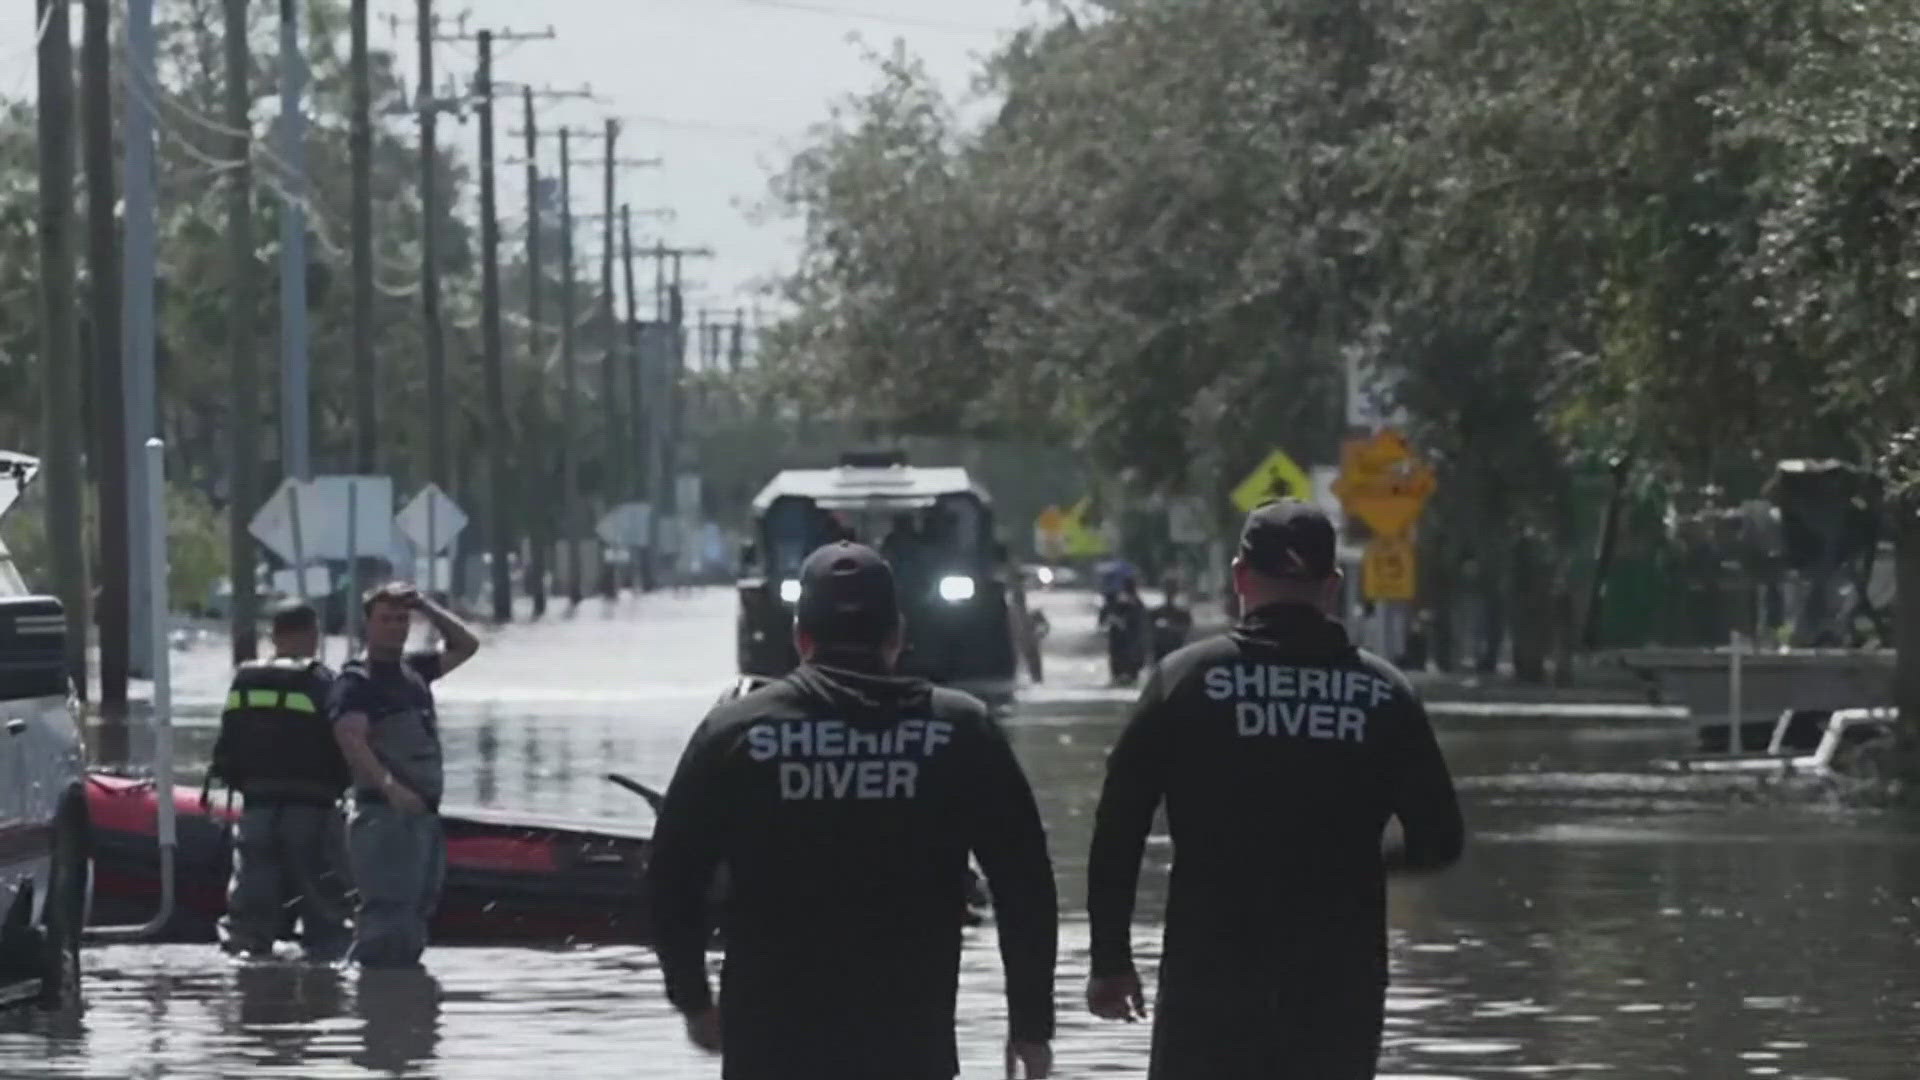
x,y
719,89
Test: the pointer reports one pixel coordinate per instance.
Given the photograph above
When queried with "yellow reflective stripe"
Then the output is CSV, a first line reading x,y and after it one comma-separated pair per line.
x,y
233,699
299,702
259,699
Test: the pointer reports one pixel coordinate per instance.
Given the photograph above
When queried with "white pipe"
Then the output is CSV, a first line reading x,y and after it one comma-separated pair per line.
x,y
353,564
433,553
299,545
157,614
1734,710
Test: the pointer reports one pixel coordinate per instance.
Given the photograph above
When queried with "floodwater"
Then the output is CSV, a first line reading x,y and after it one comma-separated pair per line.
x,y
1604,923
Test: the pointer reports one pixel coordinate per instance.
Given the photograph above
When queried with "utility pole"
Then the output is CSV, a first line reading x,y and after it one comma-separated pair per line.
x,y
533,480
296,409
138,271
535,487
60,398
636,404
670,358
636,399
615,463
490,330
240,337
640,452
110,447
361,140
569,389
612,449
430,225
493,361
572,524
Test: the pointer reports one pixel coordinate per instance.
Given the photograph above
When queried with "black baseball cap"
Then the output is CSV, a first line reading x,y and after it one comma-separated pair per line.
x,y
294,616
1288,538
847,596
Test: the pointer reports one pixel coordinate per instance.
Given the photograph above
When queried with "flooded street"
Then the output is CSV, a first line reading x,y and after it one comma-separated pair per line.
x,y
1604,922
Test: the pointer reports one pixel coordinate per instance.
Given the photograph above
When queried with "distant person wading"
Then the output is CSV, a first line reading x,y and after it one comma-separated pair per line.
x,y
1281,752
383,715
843,801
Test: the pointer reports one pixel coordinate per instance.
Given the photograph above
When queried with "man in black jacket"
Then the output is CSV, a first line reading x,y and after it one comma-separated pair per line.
x,y
1281,752
843,801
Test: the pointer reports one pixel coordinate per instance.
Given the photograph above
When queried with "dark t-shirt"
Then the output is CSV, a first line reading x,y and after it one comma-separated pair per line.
x,y
402,728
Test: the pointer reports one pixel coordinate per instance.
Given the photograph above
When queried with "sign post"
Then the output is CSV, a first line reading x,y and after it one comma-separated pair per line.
x,y
353,568
299,548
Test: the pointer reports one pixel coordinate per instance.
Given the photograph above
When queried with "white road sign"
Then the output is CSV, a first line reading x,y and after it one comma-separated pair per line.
x,y
1187,521
325,503
16,472
432,520
625,525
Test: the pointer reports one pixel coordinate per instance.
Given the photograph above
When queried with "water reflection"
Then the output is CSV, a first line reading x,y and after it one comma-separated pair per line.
x,y
487,746
283,1009
399,1013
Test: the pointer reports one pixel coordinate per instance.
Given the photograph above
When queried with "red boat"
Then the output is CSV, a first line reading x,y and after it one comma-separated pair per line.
x,y
510,877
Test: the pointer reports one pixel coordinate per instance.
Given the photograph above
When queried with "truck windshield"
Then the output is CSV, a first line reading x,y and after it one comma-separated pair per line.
x,y
947,533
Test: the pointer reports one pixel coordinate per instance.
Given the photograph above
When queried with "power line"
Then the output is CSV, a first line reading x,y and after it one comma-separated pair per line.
x,y
748,131
872,16
267,177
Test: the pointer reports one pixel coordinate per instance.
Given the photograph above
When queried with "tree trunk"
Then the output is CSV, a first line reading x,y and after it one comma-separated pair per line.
x,y
1530,615
1492,625
1566,629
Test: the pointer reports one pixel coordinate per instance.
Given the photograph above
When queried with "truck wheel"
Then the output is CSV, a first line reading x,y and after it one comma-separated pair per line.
x,y
64,916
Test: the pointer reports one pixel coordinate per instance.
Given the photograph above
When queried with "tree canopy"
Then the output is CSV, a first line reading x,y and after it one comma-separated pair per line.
x,y
1565,228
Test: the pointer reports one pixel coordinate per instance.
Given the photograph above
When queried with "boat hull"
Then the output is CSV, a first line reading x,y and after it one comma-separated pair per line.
x,y
508,880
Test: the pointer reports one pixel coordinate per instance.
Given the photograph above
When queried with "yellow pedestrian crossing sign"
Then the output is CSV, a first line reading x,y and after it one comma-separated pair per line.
x,y
1278,477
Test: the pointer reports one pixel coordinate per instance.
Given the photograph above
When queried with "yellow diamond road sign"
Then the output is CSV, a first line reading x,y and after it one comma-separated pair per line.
x,y
1383,483
1277,477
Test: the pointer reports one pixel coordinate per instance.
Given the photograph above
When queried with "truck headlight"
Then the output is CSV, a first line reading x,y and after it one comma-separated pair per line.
x,y
956,589
790,591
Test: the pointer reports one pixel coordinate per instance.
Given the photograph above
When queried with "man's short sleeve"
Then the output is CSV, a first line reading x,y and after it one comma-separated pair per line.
x,y
426,663
350,693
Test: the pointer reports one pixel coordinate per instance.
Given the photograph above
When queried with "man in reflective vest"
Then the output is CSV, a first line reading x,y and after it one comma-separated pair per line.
x,y
277,750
